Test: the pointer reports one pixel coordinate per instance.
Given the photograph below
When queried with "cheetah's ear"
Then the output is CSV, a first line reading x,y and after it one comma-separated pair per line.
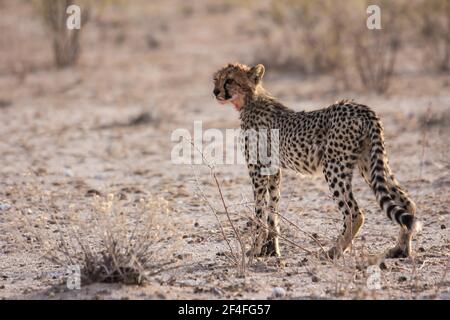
x,y
256,73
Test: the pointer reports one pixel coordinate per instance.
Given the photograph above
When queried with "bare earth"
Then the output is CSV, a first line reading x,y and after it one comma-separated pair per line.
x,y
68,132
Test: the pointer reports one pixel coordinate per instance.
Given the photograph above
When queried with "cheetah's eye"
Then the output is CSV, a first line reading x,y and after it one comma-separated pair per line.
x,y
229,81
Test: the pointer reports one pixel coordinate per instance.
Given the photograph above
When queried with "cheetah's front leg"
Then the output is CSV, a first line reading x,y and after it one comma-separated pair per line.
x,y
260,184
271,247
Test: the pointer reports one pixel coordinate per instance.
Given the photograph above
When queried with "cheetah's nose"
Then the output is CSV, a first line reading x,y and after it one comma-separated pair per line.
x,y
216,92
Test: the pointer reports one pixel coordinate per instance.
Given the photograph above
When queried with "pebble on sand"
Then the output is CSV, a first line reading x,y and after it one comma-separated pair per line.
x,y
278,292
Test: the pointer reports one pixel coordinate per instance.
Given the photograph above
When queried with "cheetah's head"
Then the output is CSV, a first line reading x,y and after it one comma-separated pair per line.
x,y
235,82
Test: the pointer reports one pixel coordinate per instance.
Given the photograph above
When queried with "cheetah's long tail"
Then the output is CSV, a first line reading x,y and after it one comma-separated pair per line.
x,y
379,179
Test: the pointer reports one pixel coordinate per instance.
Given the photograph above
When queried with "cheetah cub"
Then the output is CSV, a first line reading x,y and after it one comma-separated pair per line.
x,y
334,139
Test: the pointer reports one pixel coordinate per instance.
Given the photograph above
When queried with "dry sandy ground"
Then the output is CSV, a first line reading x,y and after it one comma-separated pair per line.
x,y
68,132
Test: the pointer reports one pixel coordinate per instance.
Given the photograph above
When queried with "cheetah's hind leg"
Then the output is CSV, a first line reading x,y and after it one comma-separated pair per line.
x,y
339,179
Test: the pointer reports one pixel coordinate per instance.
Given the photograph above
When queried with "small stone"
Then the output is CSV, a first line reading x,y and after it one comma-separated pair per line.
x,y
402,279
443,226
4,206
278,292
421,249
122,196
161,295
315,278
196,224
68,173
383,266
92,193
217,291
183,256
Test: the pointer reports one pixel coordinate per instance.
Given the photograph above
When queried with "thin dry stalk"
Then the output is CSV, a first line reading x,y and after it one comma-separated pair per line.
x,y
239,259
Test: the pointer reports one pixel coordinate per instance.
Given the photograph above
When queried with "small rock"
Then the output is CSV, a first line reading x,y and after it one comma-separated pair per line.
x,y
217,291
443,226
196,224
2,286
278,292
402,279
4,206
183,256
421,249
383,266
315,278
68,173
122,196
92,193
161,295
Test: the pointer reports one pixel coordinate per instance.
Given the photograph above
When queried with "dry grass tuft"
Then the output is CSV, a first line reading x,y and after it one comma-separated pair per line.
x,y
109,243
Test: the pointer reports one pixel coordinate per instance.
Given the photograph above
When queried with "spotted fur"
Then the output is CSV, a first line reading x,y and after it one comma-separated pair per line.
x,y
333,140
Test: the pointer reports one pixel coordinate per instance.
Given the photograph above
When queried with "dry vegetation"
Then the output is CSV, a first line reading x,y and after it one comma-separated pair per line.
x,y
86,177
315,37
66,42
109,242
